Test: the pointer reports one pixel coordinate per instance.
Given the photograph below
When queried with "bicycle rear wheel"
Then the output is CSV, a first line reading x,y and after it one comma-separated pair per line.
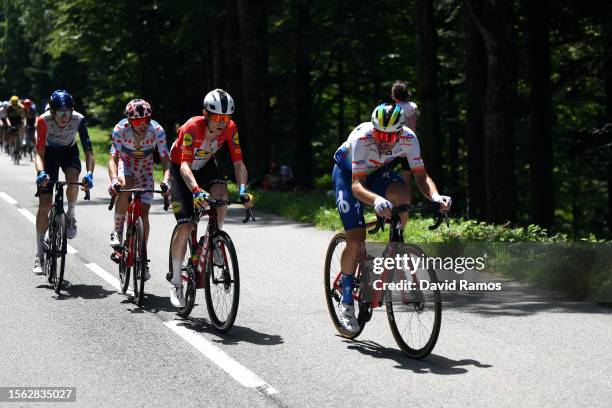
x,y
187,274
60,246
333,288
222,282
415,316
139,254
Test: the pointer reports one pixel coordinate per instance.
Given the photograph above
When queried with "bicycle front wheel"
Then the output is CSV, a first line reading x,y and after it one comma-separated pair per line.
x,y
60,246
139,254
222,282
415,316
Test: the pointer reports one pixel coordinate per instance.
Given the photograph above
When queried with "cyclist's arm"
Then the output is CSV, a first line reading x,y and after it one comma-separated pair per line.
x,y
187,175
160,136
425,184
361,192
86,143
39,158
240,171
115,149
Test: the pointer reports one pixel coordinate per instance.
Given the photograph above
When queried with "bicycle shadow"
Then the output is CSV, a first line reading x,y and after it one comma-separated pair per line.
x,y
151,304
237,335
80,291
433,364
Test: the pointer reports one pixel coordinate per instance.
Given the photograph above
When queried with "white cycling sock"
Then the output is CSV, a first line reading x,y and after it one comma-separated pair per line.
x,y
177,265
40,241
119,222
71,207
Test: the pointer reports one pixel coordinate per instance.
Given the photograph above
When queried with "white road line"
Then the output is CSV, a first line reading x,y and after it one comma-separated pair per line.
x,y
95,268
8,198
239,372
32,218
28,215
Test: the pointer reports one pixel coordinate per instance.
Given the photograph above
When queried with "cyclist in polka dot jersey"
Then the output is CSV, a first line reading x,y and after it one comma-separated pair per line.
x,y
135,139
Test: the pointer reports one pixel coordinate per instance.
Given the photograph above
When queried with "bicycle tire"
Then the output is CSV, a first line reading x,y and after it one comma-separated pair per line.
x,y
48,258
60,249
332,296
137,266
434,300
124,271
220,279
188,274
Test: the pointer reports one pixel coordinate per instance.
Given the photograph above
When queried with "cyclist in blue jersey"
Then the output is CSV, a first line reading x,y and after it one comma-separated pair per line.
x,y
361,175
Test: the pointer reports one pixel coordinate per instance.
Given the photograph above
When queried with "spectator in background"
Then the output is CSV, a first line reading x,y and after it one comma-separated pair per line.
x,y
401,96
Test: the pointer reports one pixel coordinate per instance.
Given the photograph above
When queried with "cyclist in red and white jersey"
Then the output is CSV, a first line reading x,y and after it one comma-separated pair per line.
x,y
194,171
56,146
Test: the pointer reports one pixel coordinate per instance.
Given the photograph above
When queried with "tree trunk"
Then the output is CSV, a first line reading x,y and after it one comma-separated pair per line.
x,y
427,74
541,113
607,71
475,92
303,95
254,81
495,20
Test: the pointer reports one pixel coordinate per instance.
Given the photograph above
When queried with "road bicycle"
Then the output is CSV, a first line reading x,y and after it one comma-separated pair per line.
x,y
131,256
414,315
211,264
29,141
56,243
16,144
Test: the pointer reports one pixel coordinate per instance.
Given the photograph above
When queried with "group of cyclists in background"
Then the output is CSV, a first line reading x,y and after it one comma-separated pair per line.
x,y
17,127
191,175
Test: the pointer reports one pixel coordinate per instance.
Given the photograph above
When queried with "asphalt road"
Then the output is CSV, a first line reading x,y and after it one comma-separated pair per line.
x,y
283,350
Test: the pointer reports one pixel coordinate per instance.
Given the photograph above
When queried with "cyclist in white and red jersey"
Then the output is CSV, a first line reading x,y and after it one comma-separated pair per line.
x,y
56,146
361,175
194,170
130,165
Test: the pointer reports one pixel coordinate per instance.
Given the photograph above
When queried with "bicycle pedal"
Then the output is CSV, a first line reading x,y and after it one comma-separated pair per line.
x,y
116,257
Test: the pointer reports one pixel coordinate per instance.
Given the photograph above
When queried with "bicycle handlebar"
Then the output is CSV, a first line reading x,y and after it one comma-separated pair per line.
x,y
427,207
220,203
67,183
138,190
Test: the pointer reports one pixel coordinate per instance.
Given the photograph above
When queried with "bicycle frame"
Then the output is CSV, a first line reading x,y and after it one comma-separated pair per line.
x,y
202,247
133,213
395,236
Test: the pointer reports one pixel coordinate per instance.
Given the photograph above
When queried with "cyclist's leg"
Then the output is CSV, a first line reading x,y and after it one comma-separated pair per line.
x,y
351,214
211,179
71,166
182,207
389,184
122,202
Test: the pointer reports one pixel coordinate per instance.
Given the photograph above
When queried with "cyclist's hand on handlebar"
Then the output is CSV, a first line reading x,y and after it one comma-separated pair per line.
x,y
444,201
245,198
114,187
42,179
165,188
382,207
87,181
200,198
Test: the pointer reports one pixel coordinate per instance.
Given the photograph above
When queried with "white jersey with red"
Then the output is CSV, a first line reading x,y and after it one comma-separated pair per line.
x,y
360,155
137,162
48,132
192,146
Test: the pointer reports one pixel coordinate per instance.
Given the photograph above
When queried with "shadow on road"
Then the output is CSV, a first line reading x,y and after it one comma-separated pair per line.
x,y
70,291
434,364
238,334
151,304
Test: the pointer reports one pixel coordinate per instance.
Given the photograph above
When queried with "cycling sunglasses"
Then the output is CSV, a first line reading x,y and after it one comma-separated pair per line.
x,y
140,121
384,137
61,114
219,117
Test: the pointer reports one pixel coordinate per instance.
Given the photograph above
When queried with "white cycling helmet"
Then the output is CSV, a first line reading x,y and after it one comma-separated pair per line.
x,y
388,118
219,101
